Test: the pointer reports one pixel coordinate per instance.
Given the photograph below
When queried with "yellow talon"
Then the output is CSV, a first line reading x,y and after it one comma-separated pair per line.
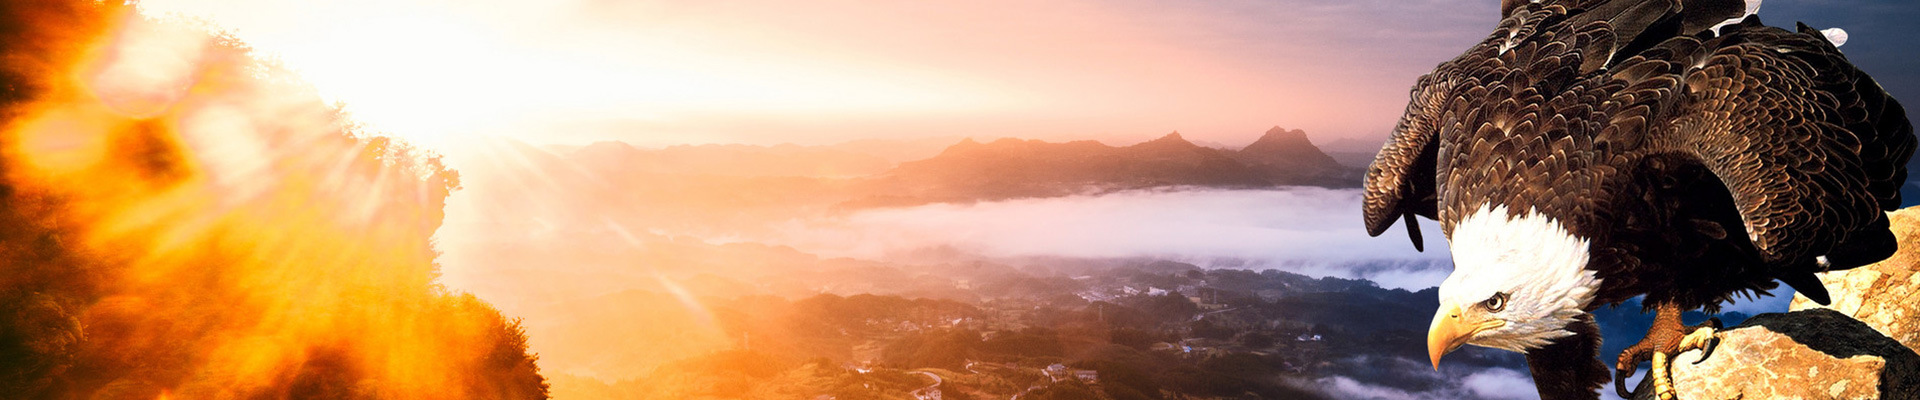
x,y
1662,379
1700,339
1664,343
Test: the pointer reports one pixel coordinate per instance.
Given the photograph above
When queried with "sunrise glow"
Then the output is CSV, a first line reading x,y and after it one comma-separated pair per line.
x,y
773,72
438,72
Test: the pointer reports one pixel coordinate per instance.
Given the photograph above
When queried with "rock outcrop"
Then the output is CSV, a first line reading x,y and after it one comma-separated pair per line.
x,y
1884,295
1859,347
1810,354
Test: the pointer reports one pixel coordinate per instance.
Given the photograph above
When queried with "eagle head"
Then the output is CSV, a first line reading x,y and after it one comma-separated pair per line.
x,y
1519,278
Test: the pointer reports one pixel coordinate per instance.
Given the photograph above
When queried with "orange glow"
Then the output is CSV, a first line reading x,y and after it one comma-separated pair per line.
x,y
435,73
216,231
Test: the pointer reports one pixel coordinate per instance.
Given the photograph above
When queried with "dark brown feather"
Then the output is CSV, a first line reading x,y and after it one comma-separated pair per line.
x,y
1570,368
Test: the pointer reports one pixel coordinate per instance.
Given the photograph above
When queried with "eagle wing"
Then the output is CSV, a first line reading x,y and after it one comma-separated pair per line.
x,y
1400,182
1811,149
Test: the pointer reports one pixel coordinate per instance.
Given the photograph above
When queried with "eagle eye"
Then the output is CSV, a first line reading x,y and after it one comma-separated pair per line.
x,y
1496,303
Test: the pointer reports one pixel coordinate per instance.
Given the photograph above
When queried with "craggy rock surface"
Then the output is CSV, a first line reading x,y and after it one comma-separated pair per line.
x,y
1811,354
1859,347
1883,295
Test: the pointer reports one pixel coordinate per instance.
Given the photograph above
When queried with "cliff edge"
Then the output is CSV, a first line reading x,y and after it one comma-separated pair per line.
x,y
1859,347
1882,295
1807,354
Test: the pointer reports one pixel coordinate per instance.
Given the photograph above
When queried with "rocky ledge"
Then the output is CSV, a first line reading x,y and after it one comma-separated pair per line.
x,y
1859,347
1810,354
1883,295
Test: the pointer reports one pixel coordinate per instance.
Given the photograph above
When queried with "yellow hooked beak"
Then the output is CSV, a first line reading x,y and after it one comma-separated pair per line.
x,y
1449,332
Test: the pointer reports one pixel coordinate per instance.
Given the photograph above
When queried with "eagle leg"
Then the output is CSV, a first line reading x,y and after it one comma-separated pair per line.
x,y
1664,342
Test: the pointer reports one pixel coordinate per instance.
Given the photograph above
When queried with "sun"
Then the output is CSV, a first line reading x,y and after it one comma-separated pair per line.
x,y
423,77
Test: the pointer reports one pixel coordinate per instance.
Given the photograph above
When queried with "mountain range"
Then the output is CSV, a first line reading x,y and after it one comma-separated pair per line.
x,y
1015,168
706,183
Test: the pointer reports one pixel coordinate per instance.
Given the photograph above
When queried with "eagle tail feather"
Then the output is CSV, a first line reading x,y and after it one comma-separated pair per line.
x,y
1808,285
1413,232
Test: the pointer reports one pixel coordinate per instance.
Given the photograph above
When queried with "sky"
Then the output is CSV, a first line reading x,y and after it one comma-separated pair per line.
x,y
658,72
750,71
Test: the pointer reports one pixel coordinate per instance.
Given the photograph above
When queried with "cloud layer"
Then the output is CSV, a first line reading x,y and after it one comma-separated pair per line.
x,y
1394,378
1309,230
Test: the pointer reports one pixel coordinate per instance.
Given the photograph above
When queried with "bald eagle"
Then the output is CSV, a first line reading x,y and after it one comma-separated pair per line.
x,y
1591,151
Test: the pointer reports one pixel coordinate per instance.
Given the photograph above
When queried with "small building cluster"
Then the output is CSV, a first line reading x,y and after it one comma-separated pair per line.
x,y
1060,372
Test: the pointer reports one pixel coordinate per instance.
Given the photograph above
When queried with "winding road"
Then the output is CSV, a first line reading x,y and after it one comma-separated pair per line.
x,y
931,392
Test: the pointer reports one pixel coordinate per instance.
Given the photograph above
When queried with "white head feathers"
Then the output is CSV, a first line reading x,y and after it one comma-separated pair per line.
x,y
1531,258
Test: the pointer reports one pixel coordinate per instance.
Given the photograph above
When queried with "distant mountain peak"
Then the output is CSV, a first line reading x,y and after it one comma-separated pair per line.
x,y
1170,140
966,145
611,150
611,145
1283,150
1288,143
1282,138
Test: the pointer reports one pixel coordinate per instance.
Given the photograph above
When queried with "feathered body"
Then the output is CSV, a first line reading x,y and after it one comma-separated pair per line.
x,y
1699,167
1693,165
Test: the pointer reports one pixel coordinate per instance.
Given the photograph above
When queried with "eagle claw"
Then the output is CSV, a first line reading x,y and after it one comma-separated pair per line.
x,y
1703,338
1664,342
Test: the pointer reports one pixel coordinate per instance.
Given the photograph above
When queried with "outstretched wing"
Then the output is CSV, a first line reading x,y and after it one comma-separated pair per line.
x,y
1543,47
1810,147
1399,183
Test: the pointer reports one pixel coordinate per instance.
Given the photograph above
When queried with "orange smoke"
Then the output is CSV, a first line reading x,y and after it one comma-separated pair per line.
x,y
180,220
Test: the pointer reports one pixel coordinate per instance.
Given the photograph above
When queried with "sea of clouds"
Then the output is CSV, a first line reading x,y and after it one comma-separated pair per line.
x,y
1307,230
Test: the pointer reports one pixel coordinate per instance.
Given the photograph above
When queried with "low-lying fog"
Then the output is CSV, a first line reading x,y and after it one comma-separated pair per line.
x,y
1313,231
